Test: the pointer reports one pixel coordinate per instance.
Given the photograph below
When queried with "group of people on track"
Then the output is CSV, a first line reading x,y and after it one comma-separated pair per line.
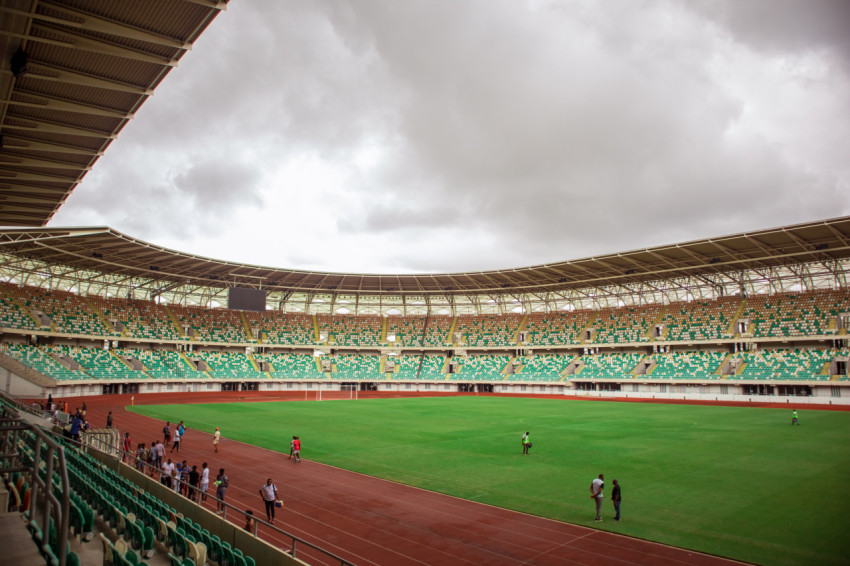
x,y
191,482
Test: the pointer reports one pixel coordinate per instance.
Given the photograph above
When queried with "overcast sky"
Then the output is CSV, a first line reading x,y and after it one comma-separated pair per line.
x,y
461,135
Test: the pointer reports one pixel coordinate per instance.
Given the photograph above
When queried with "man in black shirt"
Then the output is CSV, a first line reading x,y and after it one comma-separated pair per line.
x,y
616,498
194,478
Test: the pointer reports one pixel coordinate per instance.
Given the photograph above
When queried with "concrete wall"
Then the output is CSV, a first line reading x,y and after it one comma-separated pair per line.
x,y
823,392
17,386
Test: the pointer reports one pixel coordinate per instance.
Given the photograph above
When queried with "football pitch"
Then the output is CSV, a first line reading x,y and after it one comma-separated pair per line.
x,y
730,481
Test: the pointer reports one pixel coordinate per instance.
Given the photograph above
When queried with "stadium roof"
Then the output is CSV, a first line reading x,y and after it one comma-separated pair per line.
x,y
106,251
72,74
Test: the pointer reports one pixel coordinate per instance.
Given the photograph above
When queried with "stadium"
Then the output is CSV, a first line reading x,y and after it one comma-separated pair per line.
x,y
91,317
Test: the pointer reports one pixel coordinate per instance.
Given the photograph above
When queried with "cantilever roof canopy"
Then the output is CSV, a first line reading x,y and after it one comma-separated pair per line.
x,y
104,250
72,74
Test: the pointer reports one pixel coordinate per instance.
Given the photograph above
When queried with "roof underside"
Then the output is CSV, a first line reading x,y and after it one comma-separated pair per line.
x,y
106,251
72,74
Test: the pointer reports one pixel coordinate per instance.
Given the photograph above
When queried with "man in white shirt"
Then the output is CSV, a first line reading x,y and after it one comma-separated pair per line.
x,y
596,487
269,494
160,456
167,473
205,481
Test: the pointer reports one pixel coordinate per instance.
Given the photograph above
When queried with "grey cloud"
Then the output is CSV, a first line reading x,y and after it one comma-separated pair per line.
x,y
784,25
129,199
524,134
219,185
149,203
385,217
620,136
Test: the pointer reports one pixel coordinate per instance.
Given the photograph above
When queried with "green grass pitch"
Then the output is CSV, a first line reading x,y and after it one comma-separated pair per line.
x,y
736,482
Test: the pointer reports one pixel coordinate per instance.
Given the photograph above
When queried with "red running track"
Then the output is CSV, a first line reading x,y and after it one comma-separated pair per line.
x,y
370,521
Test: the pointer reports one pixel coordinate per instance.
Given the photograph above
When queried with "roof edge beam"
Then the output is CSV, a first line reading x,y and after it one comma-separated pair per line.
x,y
6,188
48,127
25,176
10,160
46,72
74,41
66,105
46,146
215,4
86,21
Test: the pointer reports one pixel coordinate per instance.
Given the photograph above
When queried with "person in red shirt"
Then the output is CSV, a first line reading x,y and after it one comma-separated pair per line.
x,y
127,456
296,449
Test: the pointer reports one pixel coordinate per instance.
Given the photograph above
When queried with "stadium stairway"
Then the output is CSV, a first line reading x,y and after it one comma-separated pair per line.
x,y
523,323
449,340
15,539
732,330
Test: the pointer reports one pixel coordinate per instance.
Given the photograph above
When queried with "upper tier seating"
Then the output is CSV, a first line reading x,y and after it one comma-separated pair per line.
x,y
349,330
699,320
623,325
488,330
557,328
813,313
283,328
139,319
407,330
794,314
211,325
68,313
437,331
13,313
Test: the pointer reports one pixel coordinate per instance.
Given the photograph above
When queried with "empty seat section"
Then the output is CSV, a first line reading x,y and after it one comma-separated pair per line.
x,y
686,365
284,328
356,367
482,367
226,364
609,365
291,365
541,367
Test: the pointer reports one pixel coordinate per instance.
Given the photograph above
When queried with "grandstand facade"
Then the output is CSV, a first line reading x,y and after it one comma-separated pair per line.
x,y
765,315
91,310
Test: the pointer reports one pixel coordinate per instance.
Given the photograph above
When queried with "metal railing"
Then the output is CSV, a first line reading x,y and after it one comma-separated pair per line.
x,y
48,458
296,545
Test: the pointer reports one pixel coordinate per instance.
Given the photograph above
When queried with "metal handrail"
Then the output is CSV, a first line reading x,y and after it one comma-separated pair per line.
x,y
11,424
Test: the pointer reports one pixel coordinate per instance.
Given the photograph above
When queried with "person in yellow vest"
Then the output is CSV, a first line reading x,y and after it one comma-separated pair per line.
x,y
794,419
